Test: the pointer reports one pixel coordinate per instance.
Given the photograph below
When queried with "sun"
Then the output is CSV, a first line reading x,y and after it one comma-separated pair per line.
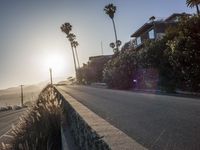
x,y
56,62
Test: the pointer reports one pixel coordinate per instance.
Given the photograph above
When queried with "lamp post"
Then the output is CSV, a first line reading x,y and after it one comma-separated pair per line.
x,y
50,73
115,46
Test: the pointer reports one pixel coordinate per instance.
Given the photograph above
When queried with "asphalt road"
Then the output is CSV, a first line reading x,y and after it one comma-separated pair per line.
x,y
158,122
7,118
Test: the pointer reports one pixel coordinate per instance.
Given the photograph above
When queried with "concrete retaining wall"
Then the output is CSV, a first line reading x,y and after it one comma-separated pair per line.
x,y
91,132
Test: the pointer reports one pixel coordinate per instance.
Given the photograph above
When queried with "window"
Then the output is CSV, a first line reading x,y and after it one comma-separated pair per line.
x,y
160,35
177,19
151,34
138,40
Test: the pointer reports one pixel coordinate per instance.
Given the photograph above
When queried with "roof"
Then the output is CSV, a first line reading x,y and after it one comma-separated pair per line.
x,y
142,28
148,25
100,56
175,15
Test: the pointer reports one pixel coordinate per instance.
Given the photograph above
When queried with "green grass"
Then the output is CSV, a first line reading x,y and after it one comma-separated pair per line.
x,y
39,129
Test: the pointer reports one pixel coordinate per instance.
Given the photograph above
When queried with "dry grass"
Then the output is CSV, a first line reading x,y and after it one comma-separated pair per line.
x,y
39,129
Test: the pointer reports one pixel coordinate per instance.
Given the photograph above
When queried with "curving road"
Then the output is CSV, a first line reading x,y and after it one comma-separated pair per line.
x,y
158,122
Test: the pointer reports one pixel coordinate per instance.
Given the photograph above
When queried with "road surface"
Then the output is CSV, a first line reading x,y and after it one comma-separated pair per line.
x,y
7,118
158,122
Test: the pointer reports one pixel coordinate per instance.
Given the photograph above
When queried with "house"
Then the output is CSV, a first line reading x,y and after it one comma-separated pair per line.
x,y
94,58
93,71
154,29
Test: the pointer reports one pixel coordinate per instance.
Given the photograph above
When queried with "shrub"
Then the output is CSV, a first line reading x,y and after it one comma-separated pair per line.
x,y
40,127
119,71
93,71
155,55
185,53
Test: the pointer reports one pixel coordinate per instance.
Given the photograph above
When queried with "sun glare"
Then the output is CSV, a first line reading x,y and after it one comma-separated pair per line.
x,y
57,63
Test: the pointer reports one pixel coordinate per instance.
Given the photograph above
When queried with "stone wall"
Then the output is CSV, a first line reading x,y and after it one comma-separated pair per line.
x,y
91,132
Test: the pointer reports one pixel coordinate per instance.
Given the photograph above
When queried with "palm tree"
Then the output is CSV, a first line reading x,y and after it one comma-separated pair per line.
x,y
75,44
194,3
71,37
66,28
110,10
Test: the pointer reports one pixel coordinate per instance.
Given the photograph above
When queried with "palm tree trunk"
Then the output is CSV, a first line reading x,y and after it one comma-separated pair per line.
x,y
77,57
197,7
75,67
115,34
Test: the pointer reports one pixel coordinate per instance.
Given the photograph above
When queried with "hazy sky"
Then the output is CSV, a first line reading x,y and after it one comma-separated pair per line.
x,y
31,40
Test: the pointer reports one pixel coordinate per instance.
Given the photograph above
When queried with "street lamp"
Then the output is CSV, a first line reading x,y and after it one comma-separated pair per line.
x,y
50,73
115,46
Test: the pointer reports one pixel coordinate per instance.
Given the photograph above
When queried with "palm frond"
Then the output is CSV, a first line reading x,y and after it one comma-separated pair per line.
x,y
75,43
71,37
110,10
66,28
192,3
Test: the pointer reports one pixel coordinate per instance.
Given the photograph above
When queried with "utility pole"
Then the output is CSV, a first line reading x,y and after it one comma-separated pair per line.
x,y
22,96
50,71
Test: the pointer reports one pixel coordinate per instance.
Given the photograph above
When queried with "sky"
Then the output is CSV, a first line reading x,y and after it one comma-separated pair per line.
x,y
31,40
